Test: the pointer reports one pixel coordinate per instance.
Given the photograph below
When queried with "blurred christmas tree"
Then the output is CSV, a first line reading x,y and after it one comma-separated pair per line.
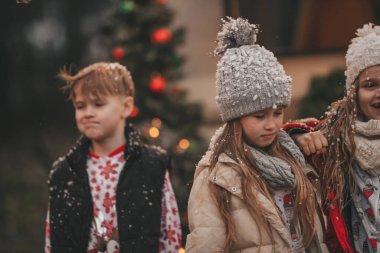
x,y
323,91
142,38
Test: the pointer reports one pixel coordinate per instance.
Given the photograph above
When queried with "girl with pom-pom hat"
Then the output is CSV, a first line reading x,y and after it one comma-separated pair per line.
x,y
236,203
350,168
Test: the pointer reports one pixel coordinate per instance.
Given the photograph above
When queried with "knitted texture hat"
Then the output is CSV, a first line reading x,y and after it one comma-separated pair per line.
x,y
248,78
363,52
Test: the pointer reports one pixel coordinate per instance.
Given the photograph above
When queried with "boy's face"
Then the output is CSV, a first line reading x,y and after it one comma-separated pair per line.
x,y
261,128
101,119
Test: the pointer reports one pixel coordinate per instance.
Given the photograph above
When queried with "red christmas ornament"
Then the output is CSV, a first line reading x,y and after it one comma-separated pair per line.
x,y
161,35
157,84
161,1
134,112
118,53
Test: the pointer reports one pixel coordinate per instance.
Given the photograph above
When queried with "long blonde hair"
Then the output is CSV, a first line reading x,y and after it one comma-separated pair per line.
x,y
231,139
339,128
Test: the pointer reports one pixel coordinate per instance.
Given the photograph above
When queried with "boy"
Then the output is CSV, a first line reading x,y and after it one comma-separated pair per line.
x,y
110,193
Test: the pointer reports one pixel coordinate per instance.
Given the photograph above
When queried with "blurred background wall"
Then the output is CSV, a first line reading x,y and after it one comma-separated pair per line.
x,y
309,37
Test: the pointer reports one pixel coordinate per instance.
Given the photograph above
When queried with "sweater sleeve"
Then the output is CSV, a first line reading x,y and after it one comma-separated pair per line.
x,y
171,235
301,126
207,229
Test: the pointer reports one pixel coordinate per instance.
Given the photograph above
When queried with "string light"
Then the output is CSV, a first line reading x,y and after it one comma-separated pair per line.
x,y
156,122
181,250
184,144
154,132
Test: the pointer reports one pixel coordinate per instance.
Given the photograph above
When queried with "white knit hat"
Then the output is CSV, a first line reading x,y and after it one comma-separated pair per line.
x,y
363,52
249,77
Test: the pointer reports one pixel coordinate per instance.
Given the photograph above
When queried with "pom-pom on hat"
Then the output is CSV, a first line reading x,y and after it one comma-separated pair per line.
x,y
363,52
248,78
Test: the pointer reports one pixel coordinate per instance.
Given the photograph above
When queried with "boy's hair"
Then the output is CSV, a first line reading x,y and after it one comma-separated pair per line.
x,y
99,79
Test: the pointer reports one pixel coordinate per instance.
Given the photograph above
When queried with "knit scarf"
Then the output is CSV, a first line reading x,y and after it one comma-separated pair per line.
x,y
366,193
277,172
367,141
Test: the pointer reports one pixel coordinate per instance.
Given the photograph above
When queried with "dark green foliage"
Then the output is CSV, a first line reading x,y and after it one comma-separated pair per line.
x,y
323,91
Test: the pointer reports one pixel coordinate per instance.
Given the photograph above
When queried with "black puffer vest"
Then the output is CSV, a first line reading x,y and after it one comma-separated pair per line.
x,y
138,198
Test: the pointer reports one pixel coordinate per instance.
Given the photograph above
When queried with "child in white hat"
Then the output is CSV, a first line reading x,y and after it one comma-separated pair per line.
x,y
350,168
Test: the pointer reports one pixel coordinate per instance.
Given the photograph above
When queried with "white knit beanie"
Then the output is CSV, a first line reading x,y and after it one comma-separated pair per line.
x,y
249,78
363,52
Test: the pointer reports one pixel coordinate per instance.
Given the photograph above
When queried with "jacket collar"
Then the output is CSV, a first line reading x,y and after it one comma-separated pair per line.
x,y
227,175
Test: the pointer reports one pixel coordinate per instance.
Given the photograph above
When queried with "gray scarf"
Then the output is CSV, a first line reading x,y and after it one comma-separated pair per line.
x,y
277,172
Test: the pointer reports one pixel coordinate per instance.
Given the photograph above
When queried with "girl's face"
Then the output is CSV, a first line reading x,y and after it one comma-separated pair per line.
x,y
369,92
261,128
